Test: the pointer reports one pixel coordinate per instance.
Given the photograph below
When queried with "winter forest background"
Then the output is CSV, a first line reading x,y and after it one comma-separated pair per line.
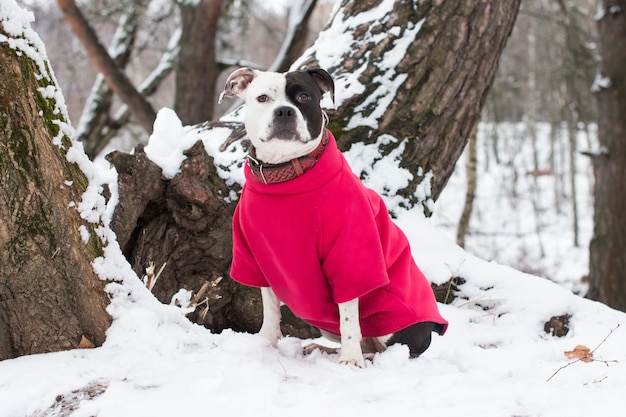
x,y
532,207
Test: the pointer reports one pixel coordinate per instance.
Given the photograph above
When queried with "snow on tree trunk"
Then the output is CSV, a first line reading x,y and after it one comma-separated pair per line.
x,y
50,297
410,78
607,264
418,72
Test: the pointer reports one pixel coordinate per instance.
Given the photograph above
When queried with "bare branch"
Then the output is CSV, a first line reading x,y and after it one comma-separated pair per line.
x,y
228,62
140,108
148,87
96,113
294,43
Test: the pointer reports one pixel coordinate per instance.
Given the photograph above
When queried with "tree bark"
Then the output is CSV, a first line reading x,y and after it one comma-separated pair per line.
x,y
50,297
197,69
184,224
448,75
607,262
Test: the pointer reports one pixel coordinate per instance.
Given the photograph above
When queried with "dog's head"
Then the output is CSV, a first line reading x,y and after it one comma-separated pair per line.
x,y
283,118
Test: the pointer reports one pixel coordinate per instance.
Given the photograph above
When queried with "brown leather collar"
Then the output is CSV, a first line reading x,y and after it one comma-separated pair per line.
x,y
275,173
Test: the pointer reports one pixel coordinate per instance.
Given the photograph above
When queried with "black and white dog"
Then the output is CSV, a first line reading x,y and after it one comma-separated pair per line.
x,y
310,235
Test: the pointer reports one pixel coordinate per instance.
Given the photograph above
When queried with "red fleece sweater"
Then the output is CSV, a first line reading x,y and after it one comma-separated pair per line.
x,y
322,239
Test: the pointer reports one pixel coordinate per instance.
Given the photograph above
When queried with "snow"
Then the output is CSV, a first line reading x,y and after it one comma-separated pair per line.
x,y
601,10
165,147
84,233
381,172
169,141
492,362
601,82
495,359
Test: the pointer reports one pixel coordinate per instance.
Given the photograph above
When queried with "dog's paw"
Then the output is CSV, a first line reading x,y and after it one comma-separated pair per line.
x,y
352,356
311,347
272,335
357,361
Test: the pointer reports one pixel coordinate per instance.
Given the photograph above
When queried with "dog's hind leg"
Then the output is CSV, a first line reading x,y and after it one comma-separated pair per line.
x,y
417,337
369,346
270,329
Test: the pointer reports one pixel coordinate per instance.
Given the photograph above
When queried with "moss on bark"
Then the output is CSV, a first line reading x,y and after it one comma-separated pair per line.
x,y
50,297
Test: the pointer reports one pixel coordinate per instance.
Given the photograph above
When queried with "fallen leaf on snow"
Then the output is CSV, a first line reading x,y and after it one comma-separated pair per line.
x,y
580,352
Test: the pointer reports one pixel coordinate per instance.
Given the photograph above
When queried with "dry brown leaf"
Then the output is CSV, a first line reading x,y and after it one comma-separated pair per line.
x,y
85,343
580,352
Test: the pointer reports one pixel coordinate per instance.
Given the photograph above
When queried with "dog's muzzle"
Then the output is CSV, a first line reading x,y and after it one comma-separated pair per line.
x,y
277,173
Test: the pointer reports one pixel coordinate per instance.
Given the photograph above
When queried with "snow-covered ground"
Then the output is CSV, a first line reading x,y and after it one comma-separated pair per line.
x,y
495,360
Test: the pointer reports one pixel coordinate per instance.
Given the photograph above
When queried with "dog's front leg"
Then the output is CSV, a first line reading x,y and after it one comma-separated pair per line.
x,y
270,329
350,328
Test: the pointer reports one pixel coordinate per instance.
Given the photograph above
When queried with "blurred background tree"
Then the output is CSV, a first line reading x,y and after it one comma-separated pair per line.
x,y
607,276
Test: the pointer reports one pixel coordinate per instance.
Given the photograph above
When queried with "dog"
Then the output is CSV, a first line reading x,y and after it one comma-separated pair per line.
x,y
312,236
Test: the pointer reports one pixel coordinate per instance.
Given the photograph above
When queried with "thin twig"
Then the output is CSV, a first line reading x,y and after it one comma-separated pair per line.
x,y
607,336
589,356
286,375
196,298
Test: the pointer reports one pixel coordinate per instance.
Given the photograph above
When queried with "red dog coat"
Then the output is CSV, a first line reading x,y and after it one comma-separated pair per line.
x,y
323,238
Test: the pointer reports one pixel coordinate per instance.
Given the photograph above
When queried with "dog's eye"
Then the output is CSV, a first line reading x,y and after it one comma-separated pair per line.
x,y
303,97
262,98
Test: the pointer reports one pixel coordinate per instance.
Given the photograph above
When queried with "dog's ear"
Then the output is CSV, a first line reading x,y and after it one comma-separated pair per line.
x,y
237,83
324,81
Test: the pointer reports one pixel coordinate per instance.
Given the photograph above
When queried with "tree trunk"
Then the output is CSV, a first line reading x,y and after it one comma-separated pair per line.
x,y
607,260
578,75
437,89
462,229
50,297
572,132
197,69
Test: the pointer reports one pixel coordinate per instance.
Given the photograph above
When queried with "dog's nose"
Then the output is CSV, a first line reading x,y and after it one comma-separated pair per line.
x,y
284,113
